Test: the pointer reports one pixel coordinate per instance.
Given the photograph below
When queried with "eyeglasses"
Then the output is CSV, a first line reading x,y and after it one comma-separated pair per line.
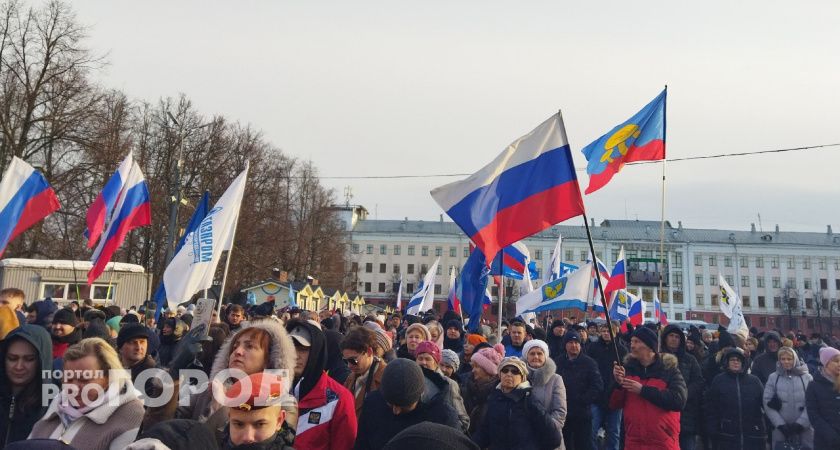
x,y
352,361
511,370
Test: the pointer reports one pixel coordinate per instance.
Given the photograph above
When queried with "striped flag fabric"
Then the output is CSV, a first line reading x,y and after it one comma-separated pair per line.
x,y
529,187
424,298
133,210
25,199
103,206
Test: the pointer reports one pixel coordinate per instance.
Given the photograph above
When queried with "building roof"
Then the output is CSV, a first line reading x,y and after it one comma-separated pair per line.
x,y
619,230
67,265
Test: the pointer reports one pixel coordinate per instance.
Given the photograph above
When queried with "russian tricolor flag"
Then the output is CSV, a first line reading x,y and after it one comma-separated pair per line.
x,y
513,262
637,310
658,313
132,210
529,187
453,302
600,275
25,199
618,277
103,206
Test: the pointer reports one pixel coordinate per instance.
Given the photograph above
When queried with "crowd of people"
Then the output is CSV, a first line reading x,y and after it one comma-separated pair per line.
x,y
85,377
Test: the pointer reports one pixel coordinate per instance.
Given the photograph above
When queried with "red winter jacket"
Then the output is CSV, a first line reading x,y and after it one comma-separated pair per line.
x,y
326,417
652,417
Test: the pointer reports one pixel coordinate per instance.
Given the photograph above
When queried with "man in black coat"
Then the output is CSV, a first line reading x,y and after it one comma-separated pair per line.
x,y
673,342
584,386
765,363
603,353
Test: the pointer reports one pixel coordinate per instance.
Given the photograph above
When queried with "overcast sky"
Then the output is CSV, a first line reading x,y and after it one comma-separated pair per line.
x,y
434,87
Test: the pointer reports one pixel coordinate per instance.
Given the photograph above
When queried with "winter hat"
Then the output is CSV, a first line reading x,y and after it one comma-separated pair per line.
x,y
725,340
8,321
114,323
827,354
422,328
489,358
647,336
383,340
402,382
97,328
454,323
571,335
430,348
534,343
474,339
515,362
426,435
92,314
450,358
44,309
66,317
131,331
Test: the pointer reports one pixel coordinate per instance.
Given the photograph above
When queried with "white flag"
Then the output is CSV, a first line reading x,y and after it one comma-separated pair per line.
x,y
569,291
552,272
728,297
424,298
399,295
194,266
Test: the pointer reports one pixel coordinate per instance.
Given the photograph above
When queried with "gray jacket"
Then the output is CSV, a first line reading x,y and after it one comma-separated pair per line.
x,y
790,386
548,388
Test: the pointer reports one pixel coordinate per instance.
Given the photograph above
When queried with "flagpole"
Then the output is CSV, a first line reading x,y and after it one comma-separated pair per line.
x,y
601,290
501,291
227,266
662,222
110,282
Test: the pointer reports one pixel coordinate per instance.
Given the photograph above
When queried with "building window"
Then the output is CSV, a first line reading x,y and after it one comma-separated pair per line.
x,y
743,261
777,302
466,252
396,268
367,287
410,269
354,267
712,261
409,287
583,255
822,264
774,262
713,280
806,263
423,269
678,316
790,263
453,252
698,300
759,282
424,251
410,250
438,289
761,302
698,260
823,284
383,249
791,283
438,251
837,264
809,303
381,288
647,253
397,250
698,280
777,283
538,254
745,281
837,284
807,284
676,278
439,270
383,268
615,255
356,249
677,260
727,261
368,267
759,263
570,255
714,300
729,280
746,300
369,249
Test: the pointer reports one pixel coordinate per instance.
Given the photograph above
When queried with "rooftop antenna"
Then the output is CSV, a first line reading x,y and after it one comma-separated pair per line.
x,y
348,195
760,228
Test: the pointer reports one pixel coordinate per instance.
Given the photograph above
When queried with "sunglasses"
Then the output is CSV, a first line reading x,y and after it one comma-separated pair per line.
x,y
511,370
352,361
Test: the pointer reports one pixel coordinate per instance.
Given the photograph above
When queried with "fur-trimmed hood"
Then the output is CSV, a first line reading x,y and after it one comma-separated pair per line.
x,y
281,356
668,360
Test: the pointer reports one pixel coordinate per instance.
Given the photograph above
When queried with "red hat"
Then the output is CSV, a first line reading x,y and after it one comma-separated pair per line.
x,y
263,388
430,348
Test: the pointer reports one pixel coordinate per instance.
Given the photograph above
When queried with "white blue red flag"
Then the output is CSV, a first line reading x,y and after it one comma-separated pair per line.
x,y
658,314
600,276
553,271
618,277
529,187
424,298
637,310
566,292
103,206
133,210
453,302
514,262
25,199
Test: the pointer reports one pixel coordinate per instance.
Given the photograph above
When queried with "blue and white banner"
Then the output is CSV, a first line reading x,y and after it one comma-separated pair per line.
x,y
570,291
194,266
424,298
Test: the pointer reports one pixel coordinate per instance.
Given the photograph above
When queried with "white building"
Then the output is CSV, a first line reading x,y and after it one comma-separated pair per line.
x,y
782,277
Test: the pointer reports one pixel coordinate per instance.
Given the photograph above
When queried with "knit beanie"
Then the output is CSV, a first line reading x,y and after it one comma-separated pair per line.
x,y
570,336
402,382
426,435
383,340
474,339
827,354
534,343
454,323
515,362
647,336
428,347
66,317
131,331
422,328
489,358
450,358
114,323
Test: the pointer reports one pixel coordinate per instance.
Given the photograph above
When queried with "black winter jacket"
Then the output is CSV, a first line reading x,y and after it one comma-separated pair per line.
x,y
378,424
604,355
734,418
584,385
515,420
823,404
693,376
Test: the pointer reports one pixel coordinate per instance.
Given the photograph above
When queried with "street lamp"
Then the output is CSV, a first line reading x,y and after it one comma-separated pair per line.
x,y
175,197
